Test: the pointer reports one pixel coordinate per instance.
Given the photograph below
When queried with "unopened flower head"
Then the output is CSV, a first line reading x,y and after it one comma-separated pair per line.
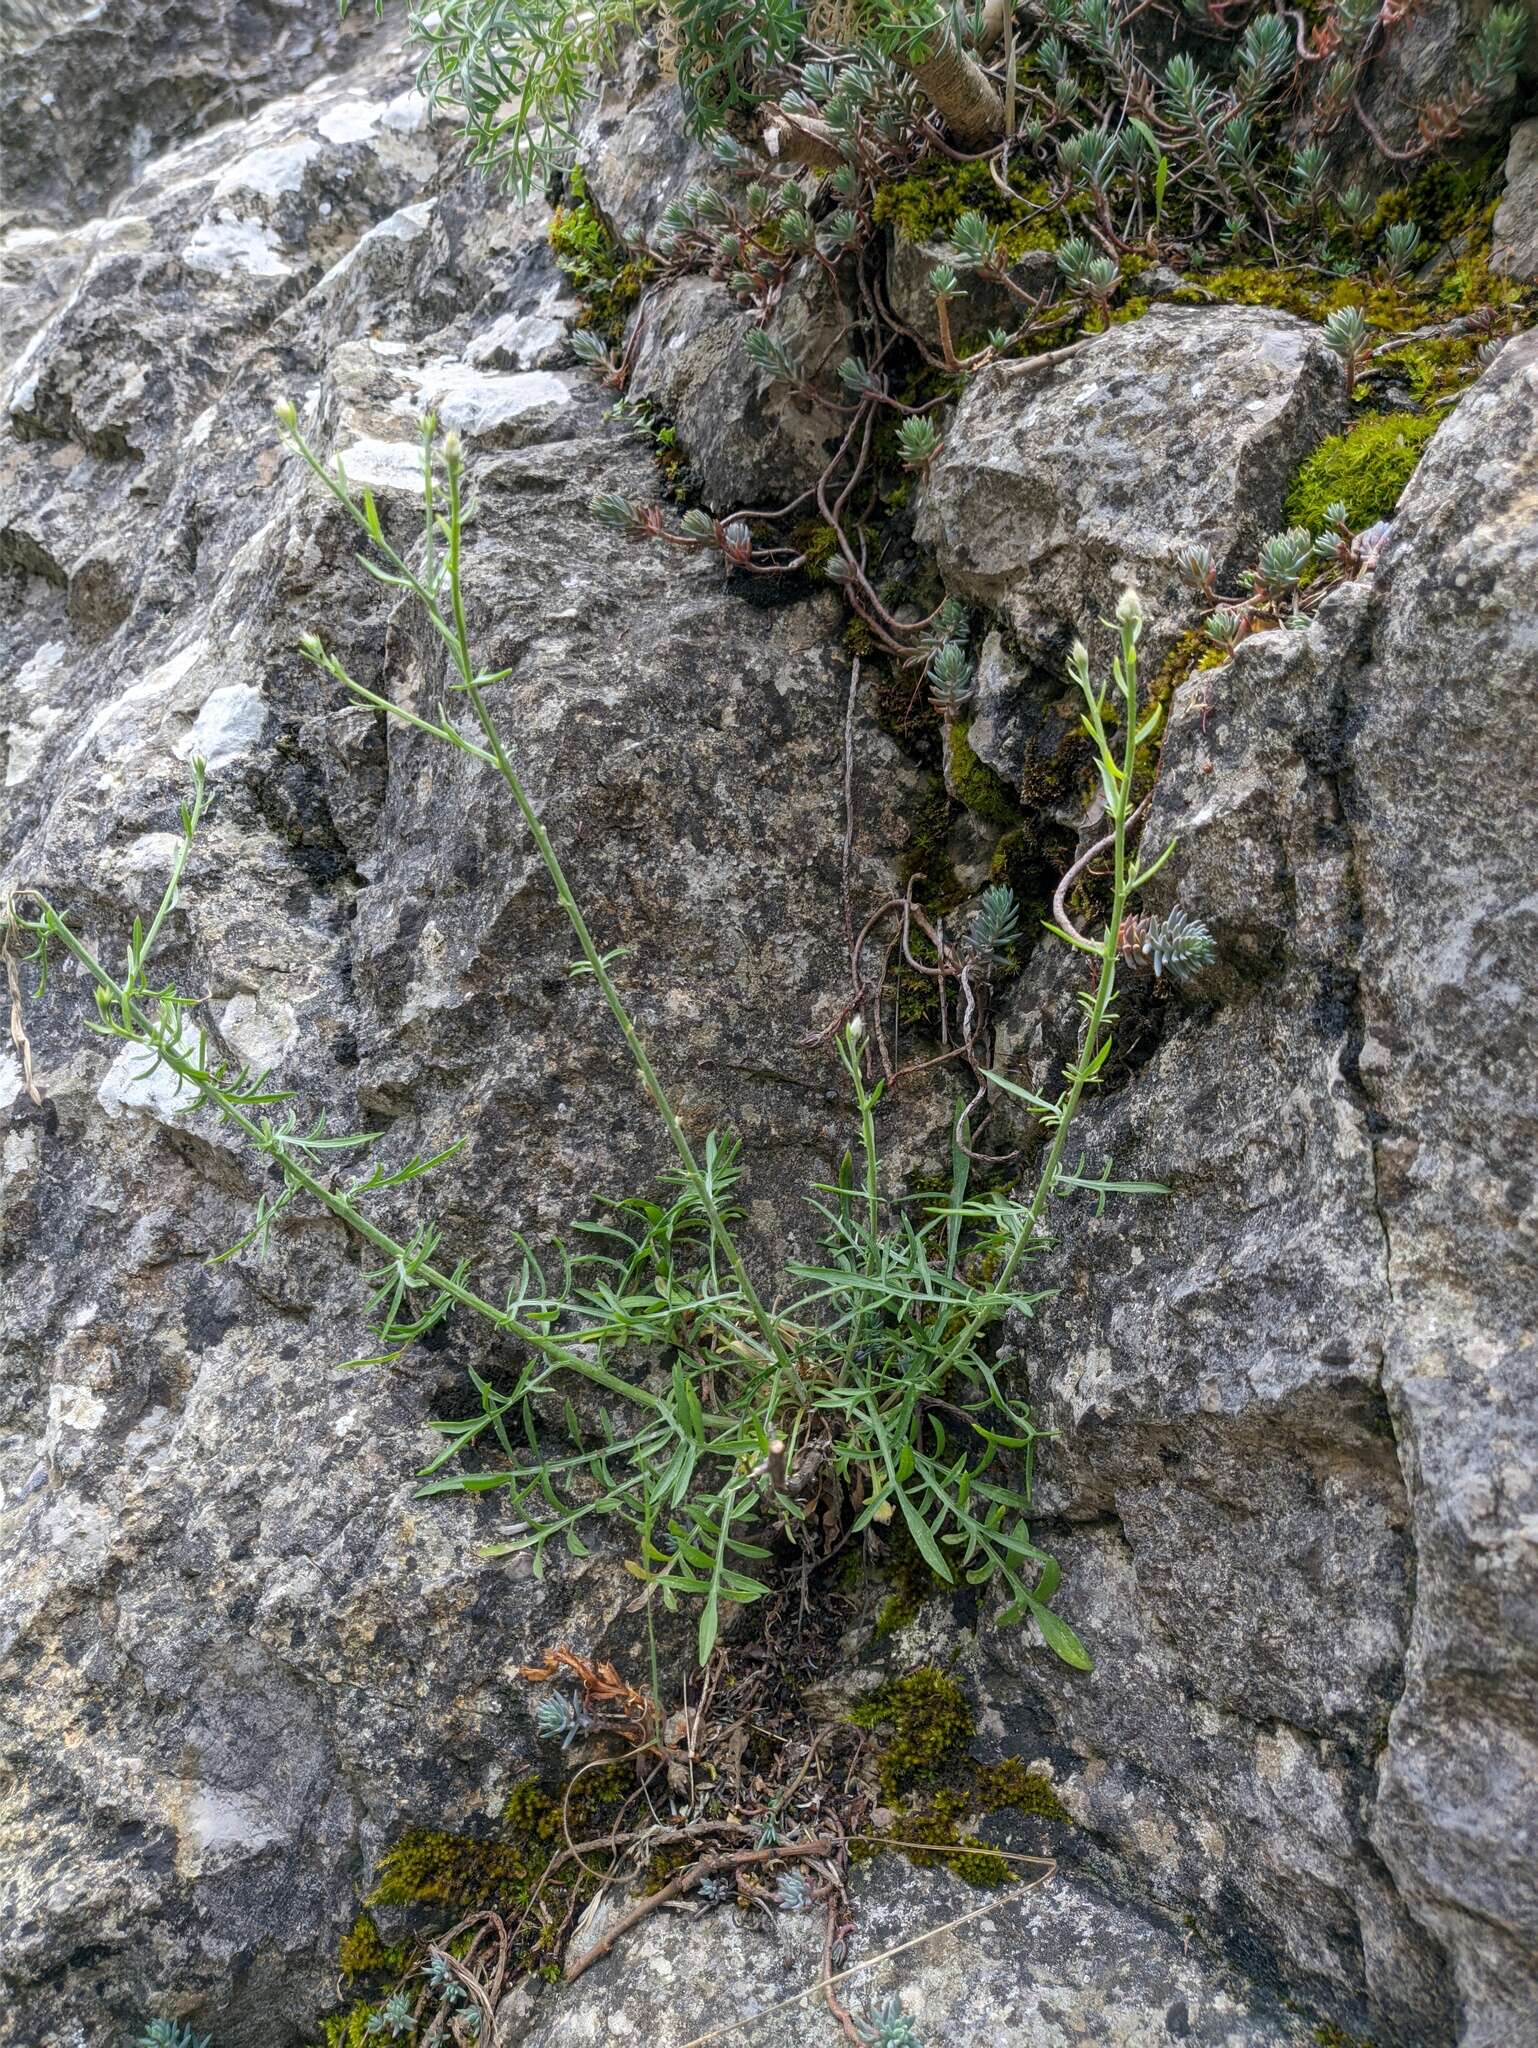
x,y
1129,608
453,448
856,1026
286,413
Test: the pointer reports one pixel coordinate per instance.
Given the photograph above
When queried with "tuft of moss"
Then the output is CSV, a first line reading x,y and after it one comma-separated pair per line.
x,y
973,783
912,1580
664,1863
973,1860
365,1953
1365,469
427,1866
1008,1785
817,542
1445,198
931,1728
1437,368
430,1867
351,2029
603,273
927,205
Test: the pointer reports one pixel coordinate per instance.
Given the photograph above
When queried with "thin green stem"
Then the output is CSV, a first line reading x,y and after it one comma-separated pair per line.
x,y
1105,988
156,1040
455,632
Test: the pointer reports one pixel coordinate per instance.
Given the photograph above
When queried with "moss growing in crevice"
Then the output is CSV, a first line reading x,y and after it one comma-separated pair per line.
x,y
927,205
927,854
447,1874
1008,1786
973,783
1365,469
365,1953
602,272
1453,204
1437,369
930,1727
1328,2035
965,1855
352,2029
913,1582
926,1761
817,542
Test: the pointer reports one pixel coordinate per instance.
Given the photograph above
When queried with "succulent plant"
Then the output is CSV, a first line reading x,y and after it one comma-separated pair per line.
x,y
1400,245
1284,561
393,2018
918,442
770,353
887,2026
995,924
611,510
1175,945
950,678
560,1719
1345,332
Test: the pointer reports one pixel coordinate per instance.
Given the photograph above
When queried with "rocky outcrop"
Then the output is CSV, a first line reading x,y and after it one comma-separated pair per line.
x,y
751,439
89,95
983,305
1062,1963
1060,484
634,147
239,1656
1514,252
1293,1489
1296,1475
1449,944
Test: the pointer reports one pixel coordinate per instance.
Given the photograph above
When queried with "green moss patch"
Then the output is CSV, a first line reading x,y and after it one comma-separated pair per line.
x,y
1008,1786
1365,470
974,784
604,275
912,1580
927,1767
451,1874
930,1728
364,1952
927,205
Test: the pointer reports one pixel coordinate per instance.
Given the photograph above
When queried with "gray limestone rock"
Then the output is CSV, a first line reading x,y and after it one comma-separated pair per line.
x,y
983,304
239,1656
634,148
1293,1492
1037,1968
751,439
1059,485
1296,1477
1514,250
90,94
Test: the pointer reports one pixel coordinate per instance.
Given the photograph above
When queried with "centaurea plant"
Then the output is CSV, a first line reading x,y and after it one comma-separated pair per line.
x,y
872,1397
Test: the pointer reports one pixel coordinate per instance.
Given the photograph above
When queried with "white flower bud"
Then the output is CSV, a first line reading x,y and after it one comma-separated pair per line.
x,y
1129,608
453,448
856,1028
286,413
